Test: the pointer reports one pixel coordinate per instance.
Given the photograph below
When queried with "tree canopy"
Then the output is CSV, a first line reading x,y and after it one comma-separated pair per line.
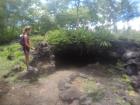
x,y
54,14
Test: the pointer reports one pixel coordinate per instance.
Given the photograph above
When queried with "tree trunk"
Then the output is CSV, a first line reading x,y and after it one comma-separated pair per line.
x,y
77,3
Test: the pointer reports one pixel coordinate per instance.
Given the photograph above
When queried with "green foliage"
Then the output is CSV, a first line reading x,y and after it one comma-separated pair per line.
x,y
16,14
8,37
58,37
103,38
5,64
69,14
80,37
37,38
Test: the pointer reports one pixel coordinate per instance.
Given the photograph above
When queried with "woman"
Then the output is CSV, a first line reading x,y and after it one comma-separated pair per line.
x,y
26,44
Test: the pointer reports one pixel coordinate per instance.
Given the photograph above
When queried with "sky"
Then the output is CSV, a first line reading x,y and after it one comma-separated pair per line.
x,y
134,23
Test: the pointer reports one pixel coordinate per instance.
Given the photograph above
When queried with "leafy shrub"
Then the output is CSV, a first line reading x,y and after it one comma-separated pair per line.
x,y
8,36
37,38
80,37
58,37
103,38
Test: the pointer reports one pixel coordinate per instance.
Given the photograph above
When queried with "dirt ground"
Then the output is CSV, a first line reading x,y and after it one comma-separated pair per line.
x,y
107,88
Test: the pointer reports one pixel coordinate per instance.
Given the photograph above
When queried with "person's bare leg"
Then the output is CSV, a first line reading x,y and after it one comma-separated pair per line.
x,y
27,60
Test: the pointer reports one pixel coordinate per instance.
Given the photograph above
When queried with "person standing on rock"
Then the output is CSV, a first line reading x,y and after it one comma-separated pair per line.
x,y
25,43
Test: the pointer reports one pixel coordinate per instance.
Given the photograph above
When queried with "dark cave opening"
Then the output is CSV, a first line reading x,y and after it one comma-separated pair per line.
x,y
76,57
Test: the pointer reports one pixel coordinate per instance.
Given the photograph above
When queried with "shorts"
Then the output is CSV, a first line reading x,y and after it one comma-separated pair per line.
x,y
26,50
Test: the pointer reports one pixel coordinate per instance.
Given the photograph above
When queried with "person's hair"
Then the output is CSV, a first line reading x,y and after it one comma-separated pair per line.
x,y
26,29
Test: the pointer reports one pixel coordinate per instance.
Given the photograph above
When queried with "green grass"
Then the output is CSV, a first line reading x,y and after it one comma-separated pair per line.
x,y
15,50
6,65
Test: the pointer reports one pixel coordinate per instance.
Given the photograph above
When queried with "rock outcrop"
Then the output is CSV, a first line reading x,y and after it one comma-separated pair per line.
x,y
129,53
43,58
